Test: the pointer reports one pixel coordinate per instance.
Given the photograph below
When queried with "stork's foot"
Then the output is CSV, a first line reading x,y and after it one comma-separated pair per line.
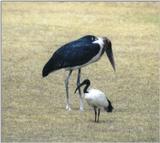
x,y
68,108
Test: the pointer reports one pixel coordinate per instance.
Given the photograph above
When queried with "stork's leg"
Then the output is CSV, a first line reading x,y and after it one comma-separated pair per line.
x,y
79,90
95,111
67,92
99,110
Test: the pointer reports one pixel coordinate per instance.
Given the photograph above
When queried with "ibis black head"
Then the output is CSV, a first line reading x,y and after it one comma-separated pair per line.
x,y
108,48
85,82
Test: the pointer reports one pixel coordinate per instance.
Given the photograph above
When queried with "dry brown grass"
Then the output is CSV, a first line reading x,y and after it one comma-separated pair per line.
x,y
33,109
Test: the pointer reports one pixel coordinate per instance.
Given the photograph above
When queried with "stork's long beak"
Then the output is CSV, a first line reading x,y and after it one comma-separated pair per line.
x,y
110,54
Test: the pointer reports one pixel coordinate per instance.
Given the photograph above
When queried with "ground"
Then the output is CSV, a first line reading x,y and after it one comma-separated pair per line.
x,y
33,108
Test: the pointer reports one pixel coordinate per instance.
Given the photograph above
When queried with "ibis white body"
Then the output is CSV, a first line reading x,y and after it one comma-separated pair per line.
x,y
96,98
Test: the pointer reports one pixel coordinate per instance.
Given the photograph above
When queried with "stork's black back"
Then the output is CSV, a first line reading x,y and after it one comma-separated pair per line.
x,y
75,53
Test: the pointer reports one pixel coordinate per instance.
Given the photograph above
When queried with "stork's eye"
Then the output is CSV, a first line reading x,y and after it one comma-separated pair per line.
x,y
92,38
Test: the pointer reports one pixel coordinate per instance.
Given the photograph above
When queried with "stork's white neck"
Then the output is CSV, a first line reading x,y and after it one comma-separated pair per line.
x,y
100,42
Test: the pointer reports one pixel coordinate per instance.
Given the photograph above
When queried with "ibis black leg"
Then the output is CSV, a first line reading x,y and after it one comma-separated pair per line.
x,y
67,92
79,90
95,111
99,110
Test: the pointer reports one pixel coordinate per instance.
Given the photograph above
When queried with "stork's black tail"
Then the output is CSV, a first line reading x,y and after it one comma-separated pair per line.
x,y
46,70
50,66
109,108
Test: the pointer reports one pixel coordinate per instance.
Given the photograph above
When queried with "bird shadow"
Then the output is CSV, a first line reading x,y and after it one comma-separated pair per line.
x,y
121,110
100,121
72,109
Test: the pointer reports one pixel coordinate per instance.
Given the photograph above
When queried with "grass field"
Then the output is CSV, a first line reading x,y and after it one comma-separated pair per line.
x,y
33,108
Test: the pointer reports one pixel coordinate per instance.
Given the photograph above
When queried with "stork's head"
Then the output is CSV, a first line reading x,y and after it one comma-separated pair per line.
x,y
89,38
108,49
103,42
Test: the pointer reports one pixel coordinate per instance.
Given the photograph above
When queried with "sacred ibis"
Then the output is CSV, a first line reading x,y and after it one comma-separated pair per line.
x,y
95,98
77,54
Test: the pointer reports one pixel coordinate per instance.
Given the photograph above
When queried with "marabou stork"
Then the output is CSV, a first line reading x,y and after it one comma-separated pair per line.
x,y
77,54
